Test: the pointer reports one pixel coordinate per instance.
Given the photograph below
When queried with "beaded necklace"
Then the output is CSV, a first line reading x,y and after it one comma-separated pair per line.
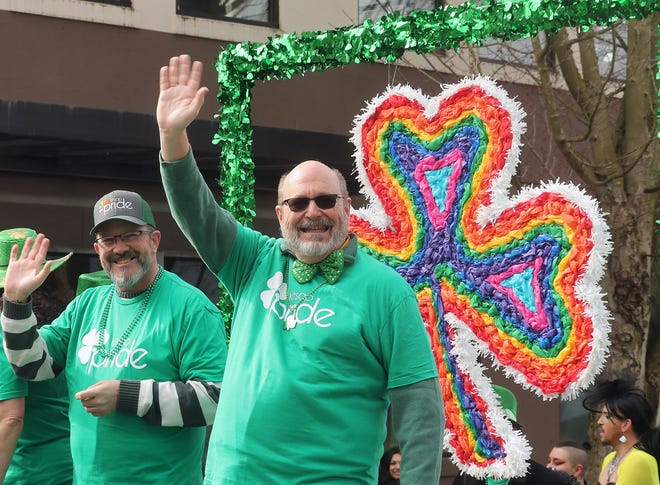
x,y
100,345
613,465
291,309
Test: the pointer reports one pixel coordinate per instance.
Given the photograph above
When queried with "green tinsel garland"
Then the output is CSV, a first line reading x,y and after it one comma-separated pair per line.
x,y
240,65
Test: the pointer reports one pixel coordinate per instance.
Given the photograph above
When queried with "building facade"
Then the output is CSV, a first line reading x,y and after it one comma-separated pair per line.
x,y
78,92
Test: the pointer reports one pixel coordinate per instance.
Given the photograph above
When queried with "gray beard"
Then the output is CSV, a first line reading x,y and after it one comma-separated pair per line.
x,y
314,249
122,281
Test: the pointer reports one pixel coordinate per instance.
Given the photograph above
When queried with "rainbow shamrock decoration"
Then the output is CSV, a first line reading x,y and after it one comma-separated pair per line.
x,y
510,277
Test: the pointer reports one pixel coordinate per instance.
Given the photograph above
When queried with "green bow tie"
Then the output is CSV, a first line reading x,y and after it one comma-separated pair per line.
x,y
331,267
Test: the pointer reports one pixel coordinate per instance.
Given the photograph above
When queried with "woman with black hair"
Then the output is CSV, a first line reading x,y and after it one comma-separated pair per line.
x,y
389,470
626,423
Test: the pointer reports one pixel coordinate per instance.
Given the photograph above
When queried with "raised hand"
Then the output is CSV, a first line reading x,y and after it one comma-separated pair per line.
x,y
26,273
179,102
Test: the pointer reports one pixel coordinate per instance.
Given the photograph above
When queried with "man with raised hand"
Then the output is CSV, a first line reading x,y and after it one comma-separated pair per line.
x,y
143,357
324,337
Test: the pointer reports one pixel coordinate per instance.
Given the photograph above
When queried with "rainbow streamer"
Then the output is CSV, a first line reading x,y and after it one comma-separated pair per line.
x,y
513,278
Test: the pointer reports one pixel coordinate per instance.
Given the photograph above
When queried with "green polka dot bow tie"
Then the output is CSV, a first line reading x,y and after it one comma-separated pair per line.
x,y
331,267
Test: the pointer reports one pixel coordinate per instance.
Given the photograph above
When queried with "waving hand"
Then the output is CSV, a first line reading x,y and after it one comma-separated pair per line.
x,y
179,102
27,272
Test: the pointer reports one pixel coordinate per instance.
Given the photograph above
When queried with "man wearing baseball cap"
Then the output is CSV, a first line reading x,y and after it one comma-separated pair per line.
x,y
122,205
143,356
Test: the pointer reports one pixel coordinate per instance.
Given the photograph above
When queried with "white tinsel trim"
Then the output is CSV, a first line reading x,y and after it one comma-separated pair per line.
x,y
374,212
516,447
587,288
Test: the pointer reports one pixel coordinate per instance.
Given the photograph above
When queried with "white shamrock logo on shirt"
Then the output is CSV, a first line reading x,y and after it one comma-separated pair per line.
x,y
89,341
275,284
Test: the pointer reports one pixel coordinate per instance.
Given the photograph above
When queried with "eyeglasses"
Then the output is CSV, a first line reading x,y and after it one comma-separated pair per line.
x,y
109,242
323,202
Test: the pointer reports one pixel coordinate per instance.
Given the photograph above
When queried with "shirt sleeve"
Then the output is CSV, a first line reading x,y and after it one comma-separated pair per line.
x,y
25,349
418,420
405,344
209,228
192,400
11,386
190,403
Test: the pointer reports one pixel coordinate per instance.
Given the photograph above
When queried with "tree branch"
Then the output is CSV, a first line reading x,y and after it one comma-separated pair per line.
x,y
577,161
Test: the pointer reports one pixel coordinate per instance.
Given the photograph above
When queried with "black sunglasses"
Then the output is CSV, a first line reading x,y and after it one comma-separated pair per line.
x,y
323,202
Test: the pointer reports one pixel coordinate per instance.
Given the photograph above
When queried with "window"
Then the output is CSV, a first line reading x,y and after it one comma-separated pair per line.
x,y
192,270
517,52
120,3
609,43
263,12
375,9
195,272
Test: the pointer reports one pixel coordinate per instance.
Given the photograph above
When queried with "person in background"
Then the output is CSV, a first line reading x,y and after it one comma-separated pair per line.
x,y
34,426
536,474
323,336
389,470
626,424
569,457
143,357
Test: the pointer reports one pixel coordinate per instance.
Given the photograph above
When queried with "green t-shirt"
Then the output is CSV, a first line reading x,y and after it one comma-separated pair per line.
x,y
42,455
308,404
180,337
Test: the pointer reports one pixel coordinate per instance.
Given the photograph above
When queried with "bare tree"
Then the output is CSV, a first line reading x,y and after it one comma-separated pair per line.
x,y
601,99
600,94
615,151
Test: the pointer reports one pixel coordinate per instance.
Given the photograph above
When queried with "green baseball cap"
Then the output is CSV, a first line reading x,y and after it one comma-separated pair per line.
x,y
19,235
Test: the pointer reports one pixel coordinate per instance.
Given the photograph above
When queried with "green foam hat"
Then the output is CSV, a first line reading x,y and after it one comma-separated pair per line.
x,y
508,402
19,235
90,280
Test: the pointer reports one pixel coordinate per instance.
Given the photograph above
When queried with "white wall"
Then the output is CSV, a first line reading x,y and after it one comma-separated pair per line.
x,y
160,15
294,16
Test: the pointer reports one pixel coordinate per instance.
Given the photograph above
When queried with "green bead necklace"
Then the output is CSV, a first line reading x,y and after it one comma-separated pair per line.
x,y
100,345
